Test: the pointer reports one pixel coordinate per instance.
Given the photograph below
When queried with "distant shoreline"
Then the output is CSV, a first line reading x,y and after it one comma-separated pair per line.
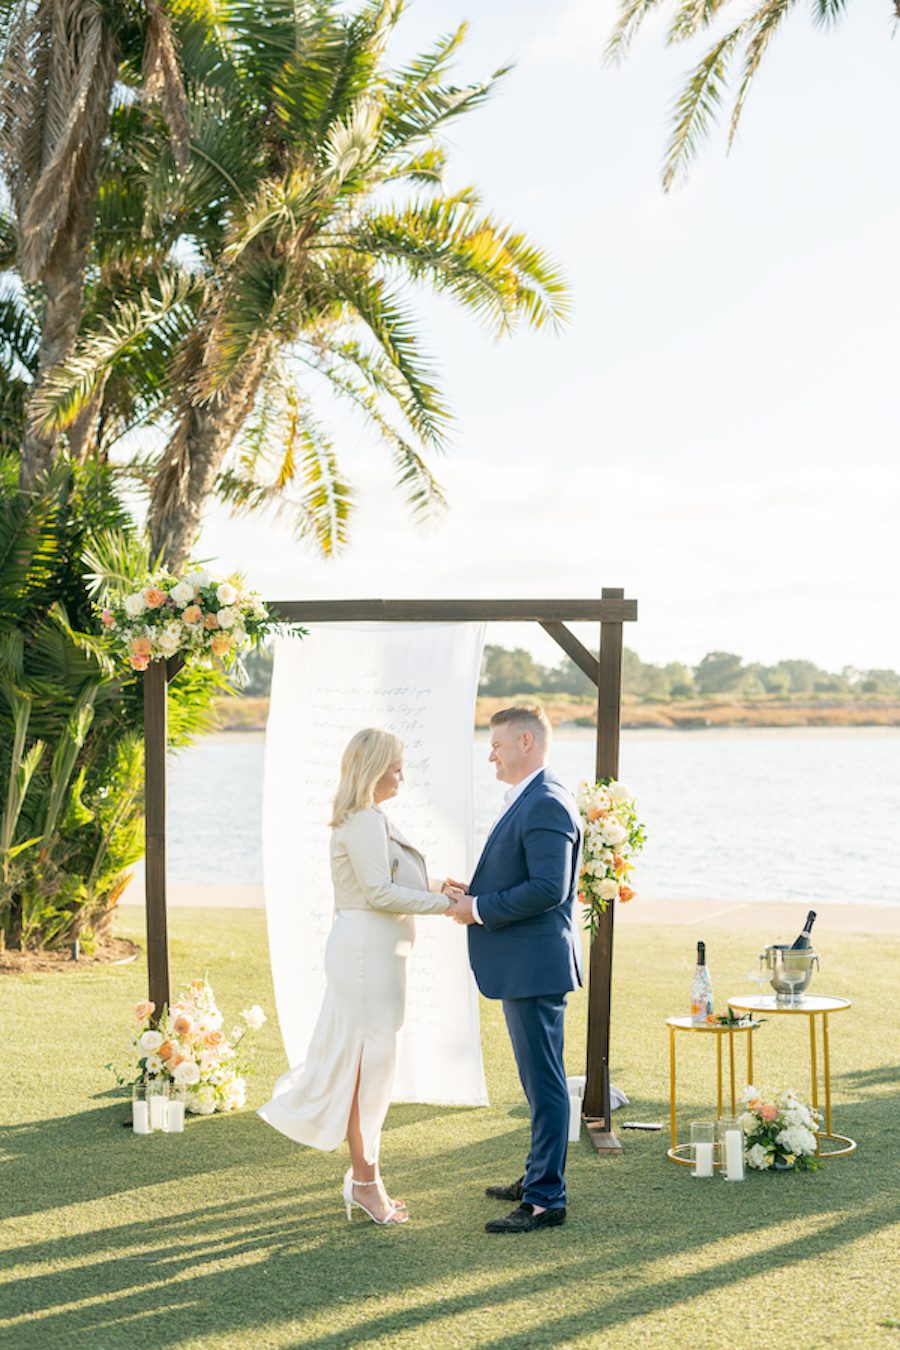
x,y
249,714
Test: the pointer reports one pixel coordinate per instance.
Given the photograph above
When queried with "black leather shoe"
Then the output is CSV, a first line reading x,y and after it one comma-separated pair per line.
x,y
512,1192
523,1220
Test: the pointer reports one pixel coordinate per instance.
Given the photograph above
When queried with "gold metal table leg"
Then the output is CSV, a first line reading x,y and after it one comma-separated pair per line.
x,y
813,1066
731,1058
672,1125
719,1067
750,1034
826,1070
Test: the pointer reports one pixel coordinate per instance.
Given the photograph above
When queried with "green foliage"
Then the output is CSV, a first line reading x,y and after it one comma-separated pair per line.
x,y
71,746
702,95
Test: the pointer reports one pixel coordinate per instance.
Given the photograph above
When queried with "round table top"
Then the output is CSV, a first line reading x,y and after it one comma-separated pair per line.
x,y
760,1003
688,1024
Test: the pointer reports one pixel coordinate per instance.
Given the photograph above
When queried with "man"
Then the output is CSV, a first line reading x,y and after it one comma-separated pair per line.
x,y
524,949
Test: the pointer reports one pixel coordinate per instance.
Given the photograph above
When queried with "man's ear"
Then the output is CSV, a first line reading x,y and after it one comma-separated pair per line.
x,y
527,740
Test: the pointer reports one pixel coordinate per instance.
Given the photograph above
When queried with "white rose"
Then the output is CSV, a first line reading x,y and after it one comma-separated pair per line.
x,y
227,617
608,889
254,1017
619,792
226,594
150,1042
758,1157
182,594
134,605
186,1073
614,833
167,644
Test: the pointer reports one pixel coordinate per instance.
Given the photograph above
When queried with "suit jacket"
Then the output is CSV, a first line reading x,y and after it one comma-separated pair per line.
x,y
526,882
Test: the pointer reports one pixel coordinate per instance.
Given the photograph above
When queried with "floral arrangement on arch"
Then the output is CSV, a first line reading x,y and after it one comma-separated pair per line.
x,y
190,1049
613,837
195,615
779,1135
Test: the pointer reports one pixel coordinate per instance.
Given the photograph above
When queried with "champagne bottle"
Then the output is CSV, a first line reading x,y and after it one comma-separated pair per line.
x,y
802,943
701,988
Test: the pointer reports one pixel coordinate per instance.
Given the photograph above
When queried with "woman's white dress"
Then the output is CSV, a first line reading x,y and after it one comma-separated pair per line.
x,y
380,882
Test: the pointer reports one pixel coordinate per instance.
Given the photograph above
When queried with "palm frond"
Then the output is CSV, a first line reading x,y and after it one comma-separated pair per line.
x,y
828,12
68,387
20,333
691,17
631,15
114,561
761,28
698,104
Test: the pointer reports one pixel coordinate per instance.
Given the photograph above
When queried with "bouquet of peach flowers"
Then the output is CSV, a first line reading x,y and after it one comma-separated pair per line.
x,y
195,615
613,837
189,1049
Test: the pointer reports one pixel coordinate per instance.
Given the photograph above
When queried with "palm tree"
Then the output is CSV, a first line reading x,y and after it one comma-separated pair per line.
x,y
284,260
58,64
746,43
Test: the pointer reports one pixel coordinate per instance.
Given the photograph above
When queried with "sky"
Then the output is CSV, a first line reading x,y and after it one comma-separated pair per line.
x,y
716,428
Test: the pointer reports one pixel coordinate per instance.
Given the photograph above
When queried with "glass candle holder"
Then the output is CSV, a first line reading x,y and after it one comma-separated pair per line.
x,y
703,1146
731,1148
175,1110
157,1099
140,1109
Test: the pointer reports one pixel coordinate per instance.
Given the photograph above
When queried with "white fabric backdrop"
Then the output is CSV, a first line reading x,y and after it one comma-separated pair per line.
x,y
420,682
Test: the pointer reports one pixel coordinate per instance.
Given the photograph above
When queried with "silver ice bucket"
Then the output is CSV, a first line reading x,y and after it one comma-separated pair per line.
x,y
780,958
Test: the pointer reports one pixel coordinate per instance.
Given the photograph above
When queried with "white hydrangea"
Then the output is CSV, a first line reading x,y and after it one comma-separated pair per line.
x,y
758,1157
796,1139
202,1101
608,889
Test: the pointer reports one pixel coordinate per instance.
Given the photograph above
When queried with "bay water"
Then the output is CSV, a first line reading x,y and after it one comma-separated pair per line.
x,y
807,815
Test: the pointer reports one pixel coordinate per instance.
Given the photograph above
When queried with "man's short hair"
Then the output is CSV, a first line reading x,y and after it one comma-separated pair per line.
x,y
526,717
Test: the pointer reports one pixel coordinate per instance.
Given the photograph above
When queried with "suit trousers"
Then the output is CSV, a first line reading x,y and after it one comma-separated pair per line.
x,y
536,1029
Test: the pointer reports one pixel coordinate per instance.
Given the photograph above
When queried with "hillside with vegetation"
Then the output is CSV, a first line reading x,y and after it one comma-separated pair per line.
x,y
722,690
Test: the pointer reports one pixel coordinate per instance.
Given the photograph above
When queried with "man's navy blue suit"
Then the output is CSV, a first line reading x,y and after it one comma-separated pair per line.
x,y
526,951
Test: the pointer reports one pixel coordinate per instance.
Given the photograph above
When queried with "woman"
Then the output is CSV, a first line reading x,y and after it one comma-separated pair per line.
x,y
344,1089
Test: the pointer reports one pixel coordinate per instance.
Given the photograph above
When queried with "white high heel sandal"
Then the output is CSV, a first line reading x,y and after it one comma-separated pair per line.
x,y
394,1216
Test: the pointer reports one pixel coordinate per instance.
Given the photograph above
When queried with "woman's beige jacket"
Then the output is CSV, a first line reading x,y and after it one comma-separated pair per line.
x,y
374,867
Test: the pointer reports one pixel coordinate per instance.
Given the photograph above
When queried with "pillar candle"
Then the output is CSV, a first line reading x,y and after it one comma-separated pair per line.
x,y
575,1105
157,1112
703,1160
175,1117
734,1155
140,1117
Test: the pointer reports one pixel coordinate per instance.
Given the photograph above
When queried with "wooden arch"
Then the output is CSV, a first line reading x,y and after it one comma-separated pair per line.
x,y
611,611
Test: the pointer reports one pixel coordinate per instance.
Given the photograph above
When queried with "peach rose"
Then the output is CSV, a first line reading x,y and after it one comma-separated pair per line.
x,y
183,1025
193,614
138,662
178,1058
768,1112
214,1039
594,813
626,894
220,644
755,1104
582,898
107,618
144,1009
154,598
166,1050
210,621
618,862
141,646
196,984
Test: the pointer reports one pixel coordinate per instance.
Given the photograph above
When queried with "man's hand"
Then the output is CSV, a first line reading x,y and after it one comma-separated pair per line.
x,y
451,885
460,906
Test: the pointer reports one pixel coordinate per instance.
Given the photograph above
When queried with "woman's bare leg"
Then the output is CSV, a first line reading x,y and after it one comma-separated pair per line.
x,y
374,1198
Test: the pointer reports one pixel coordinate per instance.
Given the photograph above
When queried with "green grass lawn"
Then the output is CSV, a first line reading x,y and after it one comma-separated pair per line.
x,y
230,1236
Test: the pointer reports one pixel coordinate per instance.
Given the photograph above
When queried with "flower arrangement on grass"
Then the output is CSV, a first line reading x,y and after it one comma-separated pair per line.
x,y
780,1134
613,837
196,615
190,1049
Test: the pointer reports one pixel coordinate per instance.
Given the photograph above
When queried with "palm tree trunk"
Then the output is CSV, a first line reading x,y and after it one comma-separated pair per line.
x,y
191,462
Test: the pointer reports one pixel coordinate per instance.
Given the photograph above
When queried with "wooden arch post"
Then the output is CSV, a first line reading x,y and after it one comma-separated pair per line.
x,y
611,611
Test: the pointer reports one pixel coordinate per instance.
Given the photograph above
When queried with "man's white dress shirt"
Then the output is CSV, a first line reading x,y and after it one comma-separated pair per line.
x,y
511,795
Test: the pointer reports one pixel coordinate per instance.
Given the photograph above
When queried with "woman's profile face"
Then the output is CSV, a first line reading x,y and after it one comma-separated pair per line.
x,y
388,784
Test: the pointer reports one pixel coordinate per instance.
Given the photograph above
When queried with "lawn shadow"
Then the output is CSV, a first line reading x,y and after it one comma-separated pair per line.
x,y
283,1254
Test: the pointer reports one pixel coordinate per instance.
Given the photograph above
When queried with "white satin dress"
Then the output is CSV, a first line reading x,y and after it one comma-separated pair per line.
x,y
380,882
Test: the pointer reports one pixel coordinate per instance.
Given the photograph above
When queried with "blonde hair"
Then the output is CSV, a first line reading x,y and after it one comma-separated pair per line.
x,y
368,756
526,717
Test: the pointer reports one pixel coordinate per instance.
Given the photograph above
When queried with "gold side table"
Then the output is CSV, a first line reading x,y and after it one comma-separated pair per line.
x,y
812,1008
676,1024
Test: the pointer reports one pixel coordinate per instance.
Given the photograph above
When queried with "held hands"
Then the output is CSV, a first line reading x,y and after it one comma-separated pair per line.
x,y
460,905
